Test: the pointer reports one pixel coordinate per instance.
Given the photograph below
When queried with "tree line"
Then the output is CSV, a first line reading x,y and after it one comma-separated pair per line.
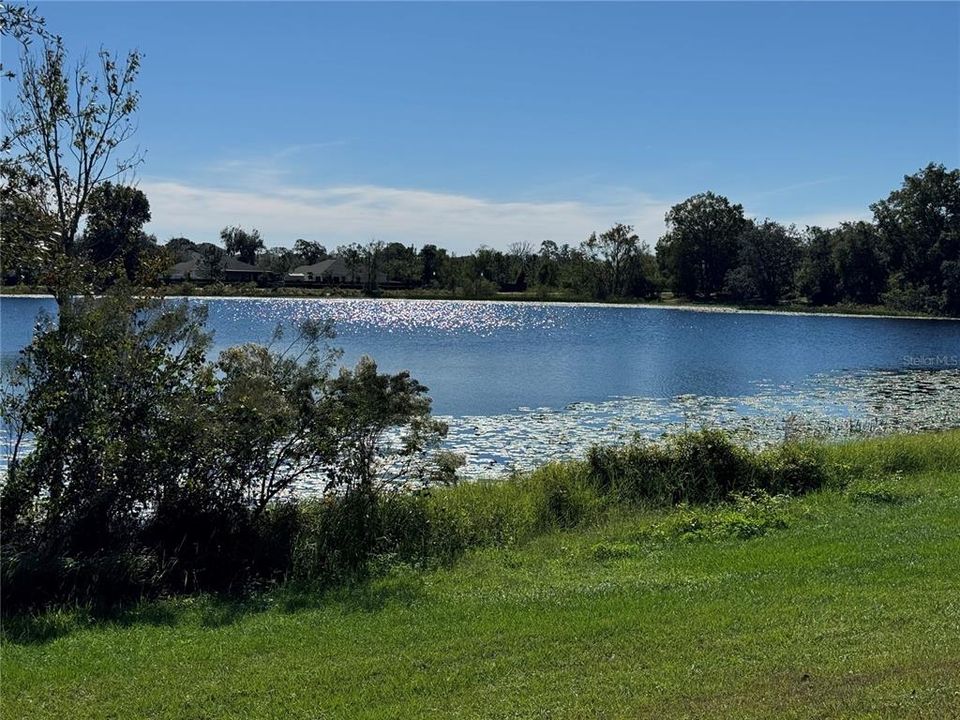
x,y
906,258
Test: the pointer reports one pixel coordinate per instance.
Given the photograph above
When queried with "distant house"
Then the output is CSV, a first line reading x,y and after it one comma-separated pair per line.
x,y
333,271
197,269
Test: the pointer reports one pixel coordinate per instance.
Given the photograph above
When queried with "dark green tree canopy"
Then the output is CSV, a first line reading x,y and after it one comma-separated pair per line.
x,y
245,245
114,227
862,267
278,260
919,229
26,229
818,277
701,244
431,260
624,266
768,258
402,263
180,248
310,251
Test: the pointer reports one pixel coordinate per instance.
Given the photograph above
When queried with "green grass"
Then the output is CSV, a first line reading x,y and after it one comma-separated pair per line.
x,y
844,604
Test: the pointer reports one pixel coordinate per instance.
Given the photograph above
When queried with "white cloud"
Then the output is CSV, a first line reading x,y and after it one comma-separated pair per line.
x,y
337,215
284,211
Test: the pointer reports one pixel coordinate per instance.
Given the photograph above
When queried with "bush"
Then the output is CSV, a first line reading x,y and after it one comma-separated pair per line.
x,y
636,471
336,538
707,466
566,500
794,468
340,537
701,467
156,470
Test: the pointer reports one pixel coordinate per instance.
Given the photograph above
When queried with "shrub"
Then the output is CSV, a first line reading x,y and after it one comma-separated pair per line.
x,y
340,537
636,471
702,467
336,538
565,499
156,470
793,468
708,466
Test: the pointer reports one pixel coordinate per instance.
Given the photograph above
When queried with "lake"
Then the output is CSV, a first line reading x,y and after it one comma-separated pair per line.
x,y
523,382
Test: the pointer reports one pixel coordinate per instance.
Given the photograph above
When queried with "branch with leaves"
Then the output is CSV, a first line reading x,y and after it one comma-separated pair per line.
x,y
65,132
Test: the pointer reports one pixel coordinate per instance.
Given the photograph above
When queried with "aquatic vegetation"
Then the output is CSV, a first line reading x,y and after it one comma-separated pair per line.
x,y
828,407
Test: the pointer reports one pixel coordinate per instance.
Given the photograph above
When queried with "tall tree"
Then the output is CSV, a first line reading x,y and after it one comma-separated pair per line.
x,y
22,24
352,256
769,253
24,230
372,258
613,251
818,276
245,245
402,263
66,130
951,287
211,261
701,243
430,263
180,248
310,251
548,264
277,260
919,228
114,227
860,262
522,259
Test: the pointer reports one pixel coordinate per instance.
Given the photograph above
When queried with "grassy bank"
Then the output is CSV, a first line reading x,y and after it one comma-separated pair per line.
x,y
838,603
666,300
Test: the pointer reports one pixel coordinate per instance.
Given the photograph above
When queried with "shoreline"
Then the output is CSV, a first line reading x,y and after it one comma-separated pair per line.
x,y
688,306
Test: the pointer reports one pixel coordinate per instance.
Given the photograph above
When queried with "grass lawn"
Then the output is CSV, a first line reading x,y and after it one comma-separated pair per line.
x,y
847,606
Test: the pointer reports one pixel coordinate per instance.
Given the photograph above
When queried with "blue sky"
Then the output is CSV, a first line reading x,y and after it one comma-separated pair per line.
x,y
468,124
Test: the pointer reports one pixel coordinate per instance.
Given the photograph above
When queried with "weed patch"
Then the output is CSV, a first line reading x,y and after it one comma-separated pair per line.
x,y
878,490
747,516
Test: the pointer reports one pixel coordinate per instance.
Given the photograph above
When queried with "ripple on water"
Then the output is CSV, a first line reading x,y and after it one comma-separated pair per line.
x,y
479,318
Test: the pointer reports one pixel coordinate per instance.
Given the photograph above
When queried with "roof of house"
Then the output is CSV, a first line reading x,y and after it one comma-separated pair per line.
x,y
194,266
318,268
232,264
